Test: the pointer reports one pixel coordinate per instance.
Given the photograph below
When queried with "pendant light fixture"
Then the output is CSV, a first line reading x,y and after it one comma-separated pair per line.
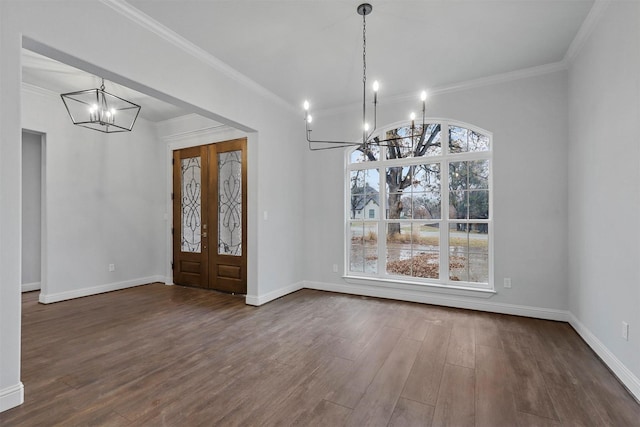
x,y
100,110
367,131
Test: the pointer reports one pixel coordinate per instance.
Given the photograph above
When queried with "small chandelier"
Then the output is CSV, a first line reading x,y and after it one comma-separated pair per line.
x,y
367,131
99,110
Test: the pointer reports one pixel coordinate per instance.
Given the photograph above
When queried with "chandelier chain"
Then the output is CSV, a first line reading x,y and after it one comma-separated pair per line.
x,y
364,77
364,49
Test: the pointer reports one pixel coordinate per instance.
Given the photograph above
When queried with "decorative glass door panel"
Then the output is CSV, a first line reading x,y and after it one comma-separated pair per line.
x,y
230,203
191,199
190,206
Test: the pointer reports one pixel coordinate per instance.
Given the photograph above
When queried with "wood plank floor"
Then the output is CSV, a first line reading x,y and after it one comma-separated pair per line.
x,y
157,355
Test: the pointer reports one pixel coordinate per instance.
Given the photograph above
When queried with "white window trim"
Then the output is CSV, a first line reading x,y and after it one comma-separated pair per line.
x,y
444,282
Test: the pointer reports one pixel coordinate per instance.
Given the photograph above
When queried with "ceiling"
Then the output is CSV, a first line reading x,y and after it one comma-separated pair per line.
x,y
312,49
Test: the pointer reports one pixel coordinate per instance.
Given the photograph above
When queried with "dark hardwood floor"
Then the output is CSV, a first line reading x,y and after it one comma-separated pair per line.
x,y
171,356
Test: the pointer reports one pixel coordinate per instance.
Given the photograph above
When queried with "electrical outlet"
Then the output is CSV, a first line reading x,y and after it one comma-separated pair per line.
x,y
507,282
335,268
625,331
112,267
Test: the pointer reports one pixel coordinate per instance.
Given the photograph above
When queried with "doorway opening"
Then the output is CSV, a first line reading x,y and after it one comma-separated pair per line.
x,y
32,210
210,216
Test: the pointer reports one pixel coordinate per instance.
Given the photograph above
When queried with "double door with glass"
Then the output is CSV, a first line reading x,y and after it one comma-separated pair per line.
x,y
209,216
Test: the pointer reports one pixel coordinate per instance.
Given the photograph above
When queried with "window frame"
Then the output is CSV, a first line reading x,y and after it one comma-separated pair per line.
x,y
443,159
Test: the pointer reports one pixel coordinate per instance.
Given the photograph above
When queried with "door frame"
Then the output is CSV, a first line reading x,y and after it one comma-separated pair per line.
x,y
205,137
43,211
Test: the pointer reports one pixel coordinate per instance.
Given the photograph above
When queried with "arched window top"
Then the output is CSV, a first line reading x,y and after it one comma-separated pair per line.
x,y
455,137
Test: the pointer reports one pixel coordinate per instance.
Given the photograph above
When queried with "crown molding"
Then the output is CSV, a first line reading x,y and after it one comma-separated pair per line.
x,y
37,90
177,121
525,73
495,79
192,134
150,24
587,27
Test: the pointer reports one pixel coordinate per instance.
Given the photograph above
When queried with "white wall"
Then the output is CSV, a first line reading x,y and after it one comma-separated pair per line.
x,y
104,202
604,188
528,119
31,209
11,388
167,72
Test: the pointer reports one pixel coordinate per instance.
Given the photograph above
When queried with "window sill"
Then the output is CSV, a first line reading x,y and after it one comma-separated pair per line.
x,y
424,287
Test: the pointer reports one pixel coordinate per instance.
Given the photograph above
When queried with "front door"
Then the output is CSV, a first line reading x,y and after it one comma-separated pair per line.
x,y
210,216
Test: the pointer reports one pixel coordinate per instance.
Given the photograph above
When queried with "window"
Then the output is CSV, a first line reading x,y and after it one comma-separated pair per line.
x,y
429,207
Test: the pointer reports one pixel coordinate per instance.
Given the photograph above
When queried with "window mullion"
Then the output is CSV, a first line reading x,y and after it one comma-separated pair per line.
x,y
444,196
382,229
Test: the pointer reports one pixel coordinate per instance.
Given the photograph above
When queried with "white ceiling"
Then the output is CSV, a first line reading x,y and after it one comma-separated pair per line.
x,y
313,48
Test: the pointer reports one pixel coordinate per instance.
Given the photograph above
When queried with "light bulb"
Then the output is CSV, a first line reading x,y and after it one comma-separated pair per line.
x,y
412,116
309,118
423,96
108,114
366,126
376,86
306,105
113,111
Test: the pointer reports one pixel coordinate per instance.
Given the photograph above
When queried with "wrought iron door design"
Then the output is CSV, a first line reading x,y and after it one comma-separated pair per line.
x,y
191,200
230,203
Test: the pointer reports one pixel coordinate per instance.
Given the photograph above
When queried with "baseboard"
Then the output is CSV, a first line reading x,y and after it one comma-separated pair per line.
x,y
11,397
84,292
448,301
167,281
28,287
626,377
263,299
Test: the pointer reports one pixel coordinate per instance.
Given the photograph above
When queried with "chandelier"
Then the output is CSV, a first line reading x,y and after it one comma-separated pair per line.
x,y
100,110
367,131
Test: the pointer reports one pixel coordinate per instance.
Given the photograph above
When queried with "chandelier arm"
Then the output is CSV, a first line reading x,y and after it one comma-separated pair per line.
x,y
422,135
343,143
311,148
375,115
381,142
320,141
375,122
